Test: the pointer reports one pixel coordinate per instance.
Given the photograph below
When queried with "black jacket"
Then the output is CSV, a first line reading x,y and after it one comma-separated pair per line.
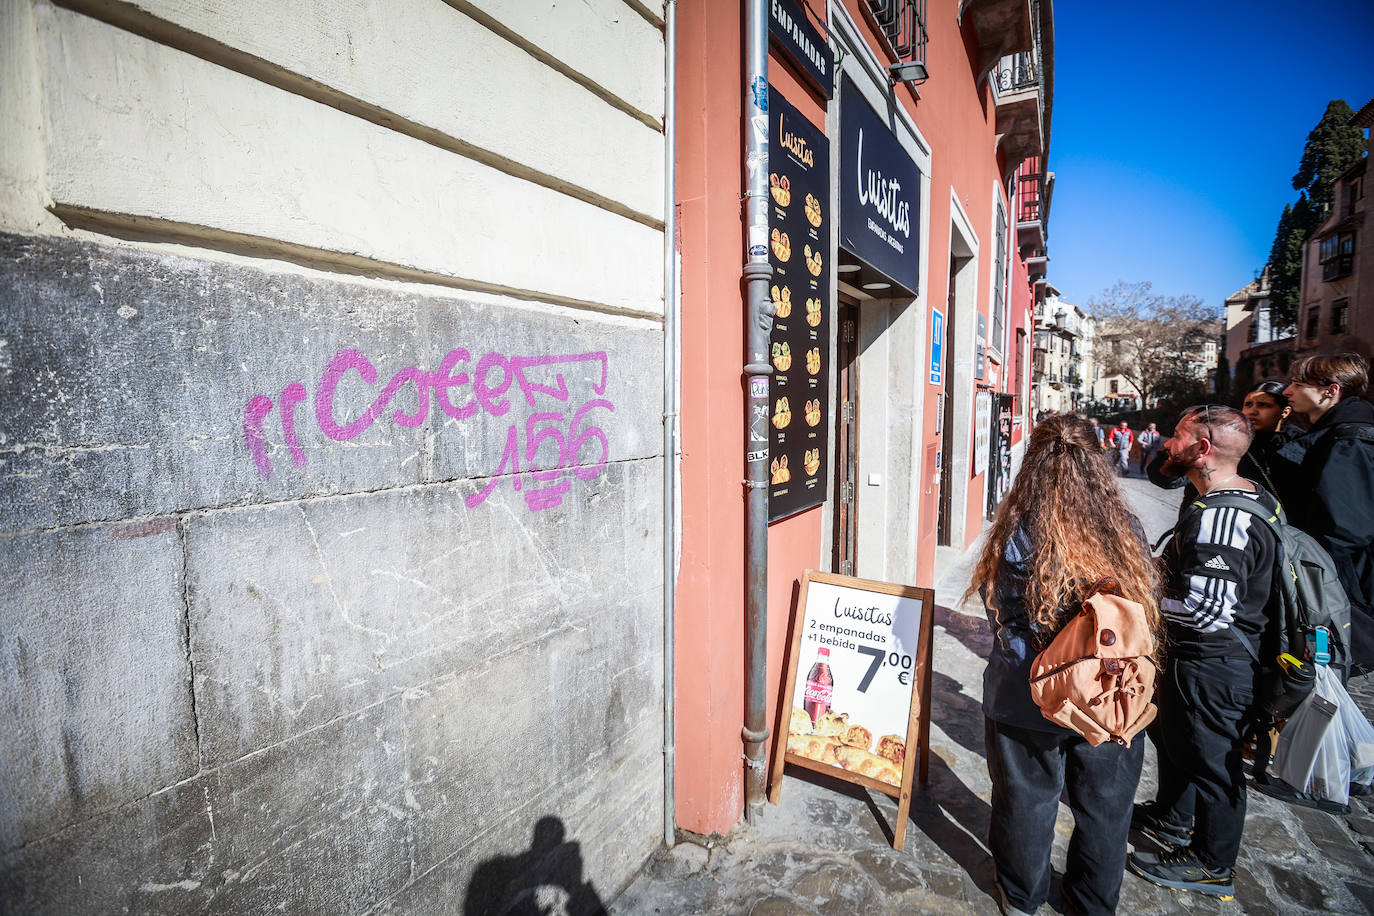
x,y
1326,483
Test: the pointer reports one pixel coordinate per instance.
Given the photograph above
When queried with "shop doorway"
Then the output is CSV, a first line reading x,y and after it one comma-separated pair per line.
x,y
943,528
844,550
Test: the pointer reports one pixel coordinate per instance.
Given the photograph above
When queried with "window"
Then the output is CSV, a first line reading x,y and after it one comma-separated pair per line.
x,y
1337,256
999,279
1252,332
1115,385
1339,310
1314,315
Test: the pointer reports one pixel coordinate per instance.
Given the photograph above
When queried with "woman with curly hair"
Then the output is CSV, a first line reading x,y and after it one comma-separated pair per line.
x,y
1063,526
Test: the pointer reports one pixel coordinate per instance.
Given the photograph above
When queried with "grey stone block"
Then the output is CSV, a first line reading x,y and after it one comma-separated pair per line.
x,y
332,605
132,380
95,699
316,825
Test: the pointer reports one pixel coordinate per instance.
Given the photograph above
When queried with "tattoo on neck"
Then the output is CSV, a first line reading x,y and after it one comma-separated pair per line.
x,y
1205,474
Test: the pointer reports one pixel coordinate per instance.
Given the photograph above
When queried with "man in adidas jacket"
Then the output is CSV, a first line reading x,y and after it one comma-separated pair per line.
x,y
1220,567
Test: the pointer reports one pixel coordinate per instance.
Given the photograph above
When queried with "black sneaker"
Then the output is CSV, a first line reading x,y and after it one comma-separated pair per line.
x,y
1172,836
1182,871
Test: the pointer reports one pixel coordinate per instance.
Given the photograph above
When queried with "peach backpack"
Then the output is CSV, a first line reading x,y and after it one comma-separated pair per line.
x,y
1097,676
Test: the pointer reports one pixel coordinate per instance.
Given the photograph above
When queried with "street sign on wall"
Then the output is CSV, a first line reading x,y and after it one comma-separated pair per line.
x,y
937,346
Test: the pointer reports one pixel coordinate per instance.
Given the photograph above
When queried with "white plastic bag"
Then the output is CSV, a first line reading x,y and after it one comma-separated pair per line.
x,y
1359,739
1302,738
1323,736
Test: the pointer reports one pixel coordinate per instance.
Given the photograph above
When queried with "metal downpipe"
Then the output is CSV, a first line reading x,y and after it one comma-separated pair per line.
x,y
671,344
757,371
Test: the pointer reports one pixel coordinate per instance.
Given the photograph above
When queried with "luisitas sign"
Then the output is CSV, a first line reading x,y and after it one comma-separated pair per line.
x,y
880,192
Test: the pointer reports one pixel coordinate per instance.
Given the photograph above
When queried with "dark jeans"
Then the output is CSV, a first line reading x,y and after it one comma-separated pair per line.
x,y
1205,707
1030,770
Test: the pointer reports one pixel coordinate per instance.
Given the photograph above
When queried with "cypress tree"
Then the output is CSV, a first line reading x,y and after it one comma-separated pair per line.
x,y
1333,146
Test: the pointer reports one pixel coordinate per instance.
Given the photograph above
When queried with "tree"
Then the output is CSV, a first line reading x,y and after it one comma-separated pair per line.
x,y
1333,146
1156,343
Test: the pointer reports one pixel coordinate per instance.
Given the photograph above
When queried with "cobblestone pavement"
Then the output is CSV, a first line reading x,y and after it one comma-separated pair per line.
x,y
826,847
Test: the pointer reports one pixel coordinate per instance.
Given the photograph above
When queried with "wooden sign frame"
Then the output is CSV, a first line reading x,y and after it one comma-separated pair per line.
x,y
918,716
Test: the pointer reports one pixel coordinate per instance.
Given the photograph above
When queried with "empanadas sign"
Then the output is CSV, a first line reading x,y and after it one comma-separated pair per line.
x,y
857,676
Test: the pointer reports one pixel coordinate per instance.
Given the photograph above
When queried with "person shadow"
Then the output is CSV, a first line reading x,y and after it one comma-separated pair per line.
x,y
544,880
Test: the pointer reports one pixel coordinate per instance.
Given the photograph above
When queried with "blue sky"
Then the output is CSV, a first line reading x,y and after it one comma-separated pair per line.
x,y
1175,138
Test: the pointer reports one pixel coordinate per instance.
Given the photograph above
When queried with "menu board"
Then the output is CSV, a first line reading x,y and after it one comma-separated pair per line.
x,y
858,676
799,235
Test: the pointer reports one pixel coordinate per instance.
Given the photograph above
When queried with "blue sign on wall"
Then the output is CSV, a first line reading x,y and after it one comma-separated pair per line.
x,y
937,347
880,192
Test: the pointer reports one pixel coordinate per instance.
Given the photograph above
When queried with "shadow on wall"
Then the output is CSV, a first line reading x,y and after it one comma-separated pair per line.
x,y
545,880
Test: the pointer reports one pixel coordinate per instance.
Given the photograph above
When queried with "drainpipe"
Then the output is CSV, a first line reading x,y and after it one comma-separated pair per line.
x,y
757,371
670,418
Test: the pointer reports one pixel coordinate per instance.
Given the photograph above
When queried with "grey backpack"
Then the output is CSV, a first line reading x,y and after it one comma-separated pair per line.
x,y
1307,595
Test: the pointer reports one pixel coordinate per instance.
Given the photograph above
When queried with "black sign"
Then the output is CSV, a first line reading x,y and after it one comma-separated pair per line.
x,y
792,31
880,192
799,160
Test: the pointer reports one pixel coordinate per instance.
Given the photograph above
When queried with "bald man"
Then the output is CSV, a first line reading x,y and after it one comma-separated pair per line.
x,y
1220,566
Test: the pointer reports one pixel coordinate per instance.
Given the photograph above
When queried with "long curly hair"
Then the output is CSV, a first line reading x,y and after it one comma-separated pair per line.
x,y
1080,528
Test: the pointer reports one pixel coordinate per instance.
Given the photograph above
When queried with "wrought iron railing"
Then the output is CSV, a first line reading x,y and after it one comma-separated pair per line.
x,y
1029,187
904,24
1016,72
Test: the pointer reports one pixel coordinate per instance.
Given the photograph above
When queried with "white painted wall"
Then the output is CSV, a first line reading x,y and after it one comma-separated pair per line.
x,y
454,142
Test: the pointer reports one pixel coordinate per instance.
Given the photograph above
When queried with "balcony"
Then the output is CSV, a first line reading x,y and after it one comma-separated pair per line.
x,y
1031,193
1004,27
1037,264
1020,106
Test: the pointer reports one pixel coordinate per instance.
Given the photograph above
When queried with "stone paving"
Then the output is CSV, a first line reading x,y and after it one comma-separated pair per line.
x,y
826,847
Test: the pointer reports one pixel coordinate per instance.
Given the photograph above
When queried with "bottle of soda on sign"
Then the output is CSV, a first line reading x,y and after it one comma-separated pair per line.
x,y
820,688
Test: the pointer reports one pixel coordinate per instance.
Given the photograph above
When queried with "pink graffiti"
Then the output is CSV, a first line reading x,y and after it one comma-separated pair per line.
x,y
553,445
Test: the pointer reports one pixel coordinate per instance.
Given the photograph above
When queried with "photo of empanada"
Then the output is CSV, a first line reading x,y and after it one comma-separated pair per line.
x,y
857,736
813,260
782,245
860,761
778,472
813,210
801,722
811,461
782,356
813,312
782,413
812,411
892,747
780,188
814,747
782,300
832,724
813,360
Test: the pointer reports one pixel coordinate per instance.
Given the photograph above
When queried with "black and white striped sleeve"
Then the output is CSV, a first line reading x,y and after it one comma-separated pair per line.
x,y
1212,570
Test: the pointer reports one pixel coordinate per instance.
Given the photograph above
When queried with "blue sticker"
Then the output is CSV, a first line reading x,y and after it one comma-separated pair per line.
x,y
758,251
761,93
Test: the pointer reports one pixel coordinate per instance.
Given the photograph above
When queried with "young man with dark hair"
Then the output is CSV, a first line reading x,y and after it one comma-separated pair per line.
x,y
1325,478
1219,571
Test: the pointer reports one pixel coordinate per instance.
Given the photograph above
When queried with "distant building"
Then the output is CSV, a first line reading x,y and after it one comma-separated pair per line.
x,y
1063,335
1336,309
1255,348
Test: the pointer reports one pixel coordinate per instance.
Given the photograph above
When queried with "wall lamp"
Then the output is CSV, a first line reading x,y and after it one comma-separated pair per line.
x,y
909,71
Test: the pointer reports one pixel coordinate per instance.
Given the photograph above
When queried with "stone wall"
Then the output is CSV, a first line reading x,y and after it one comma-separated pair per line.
x,y
331,357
